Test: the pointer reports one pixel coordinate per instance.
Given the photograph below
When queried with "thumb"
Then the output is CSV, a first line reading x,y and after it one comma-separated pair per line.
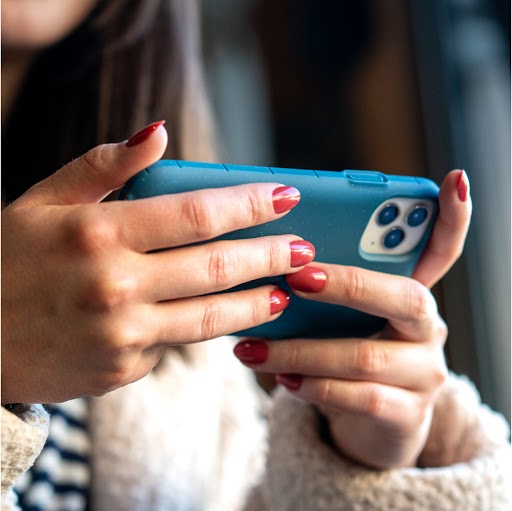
x,y
101,170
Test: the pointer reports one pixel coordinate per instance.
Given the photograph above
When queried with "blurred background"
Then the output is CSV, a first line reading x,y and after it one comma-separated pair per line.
x,y
407,87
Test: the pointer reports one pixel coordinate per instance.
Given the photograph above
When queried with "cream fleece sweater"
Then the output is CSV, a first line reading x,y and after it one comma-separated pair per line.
x,y
197,434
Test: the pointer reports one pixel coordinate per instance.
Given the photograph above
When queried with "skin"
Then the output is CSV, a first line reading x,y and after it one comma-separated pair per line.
x,y
93,306
36,24
88,306
28,26
378,394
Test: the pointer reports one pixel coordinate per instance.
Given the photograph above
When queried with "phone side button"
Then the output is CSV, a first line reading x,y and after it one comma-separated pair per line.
x,y
365,177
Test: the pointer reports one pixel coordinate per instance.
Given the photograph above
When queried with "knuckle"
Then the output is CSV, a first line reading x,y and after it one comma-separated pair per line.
x,y
356,285
274,256
254,208
374,402
325,393
119,360
439,372
95,158
119,338
107,382
112,379
370,359
293,358
109,291
99,387
92,234
212,321
259,311
115,346
421,303
200,217
222,267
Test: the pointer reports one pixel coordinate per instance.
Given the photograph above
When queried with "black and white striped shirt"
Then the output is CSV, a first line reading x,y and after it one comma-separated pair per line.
x,y
59,479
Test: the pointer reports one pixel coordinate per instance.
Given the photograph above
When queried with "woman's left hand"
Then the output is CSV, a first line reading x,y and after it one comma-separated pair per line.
x,y
378,393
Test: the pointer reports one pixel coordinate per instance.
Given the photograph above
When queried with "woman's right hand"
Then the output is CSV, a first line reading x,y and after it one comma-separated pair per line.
x,y
90,299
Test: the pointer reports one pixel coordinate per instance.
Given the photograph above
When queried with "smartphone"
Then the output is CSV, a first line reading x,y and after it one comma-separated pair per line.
x,y
353,217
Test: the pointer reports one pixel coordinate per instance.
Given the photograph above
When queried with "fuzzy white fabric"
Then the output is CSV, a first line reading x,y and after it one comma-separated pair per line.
x,y
304,474
163,444
24,433
190,436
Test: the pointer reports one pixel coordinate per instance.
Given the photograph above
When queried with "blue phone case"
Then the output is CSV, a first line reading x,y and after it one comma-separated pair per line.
x,y
335,209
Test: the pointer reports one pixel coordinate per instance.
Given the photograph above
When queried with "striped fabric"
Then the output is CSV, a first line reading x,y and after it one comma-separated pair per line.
x,y
59,479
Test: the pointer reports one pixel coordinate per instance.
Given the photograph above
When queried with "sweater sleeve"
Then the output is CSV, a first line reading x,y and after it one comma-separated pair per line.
x,y
24,432
466,463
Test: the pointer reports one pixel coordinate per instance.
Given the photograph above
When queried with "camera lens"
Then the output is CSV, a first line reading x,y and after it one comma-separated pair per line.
x,y
388,214
417,216
393,238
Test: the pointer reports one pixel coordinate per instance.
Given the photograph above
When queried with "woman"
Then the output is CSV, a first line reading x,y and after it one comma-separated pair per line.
x,y
89,303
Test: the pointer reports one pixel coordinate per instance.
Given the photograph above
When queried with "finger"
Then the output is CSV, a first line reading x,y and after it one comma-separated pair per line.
x,y
105,168
174,220
384,403
413,367
409,307
208,317
213,267
447,241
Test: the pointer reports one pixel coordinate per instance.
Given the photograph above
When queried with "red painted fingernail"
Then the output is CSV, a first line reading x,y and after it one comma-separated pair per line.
x,y
279,300
285,198
308,280
290,381
143,134
302,252
463,186
251,352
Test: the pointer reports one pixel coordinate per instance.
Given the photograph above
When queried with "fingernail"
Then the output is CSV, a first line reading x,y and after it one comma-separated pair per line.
x,y
143,134
279,300
285,198
251,352
290,381
463,186
302,252
308,280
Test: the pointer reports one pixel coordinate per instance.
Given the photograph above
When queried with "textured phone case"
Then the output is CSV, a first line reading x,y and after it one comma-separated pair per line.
x,y
333,212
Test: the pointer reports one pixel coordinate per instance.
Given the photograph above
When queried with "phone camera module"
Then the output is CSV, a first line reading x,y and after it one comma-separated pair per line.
x,y
388,214
417,216
397,227
393,238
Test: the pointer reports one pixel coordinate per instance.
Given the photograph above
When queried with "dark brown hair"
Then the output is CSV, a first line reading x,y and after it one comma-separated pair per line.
x,y
129,63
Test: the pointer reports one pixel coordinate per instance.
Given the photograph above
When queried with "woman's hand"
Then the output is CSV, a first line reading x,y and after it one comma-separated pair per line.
x,y
89,298
378,393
